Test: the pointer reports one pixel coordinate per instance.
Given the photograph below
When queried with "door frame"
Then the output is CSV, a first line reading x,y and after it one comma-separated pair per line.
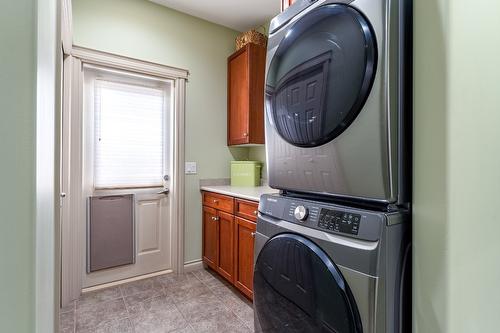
x,y
73,231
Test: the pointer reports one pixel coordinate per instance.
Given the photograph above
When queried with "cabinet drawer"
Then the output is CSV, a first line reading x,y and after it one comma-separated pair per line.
x,y
246,209
218,201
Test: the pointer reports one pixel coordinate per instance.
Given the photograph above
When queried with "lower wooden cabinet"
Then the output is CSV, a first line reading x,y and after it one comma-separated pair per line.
x,y
225,262
228,239
244,242
210,237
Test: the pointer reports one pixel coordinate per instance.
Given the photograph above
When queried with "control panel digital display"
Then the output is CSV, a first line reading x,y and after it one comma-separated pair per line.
x,y
338,221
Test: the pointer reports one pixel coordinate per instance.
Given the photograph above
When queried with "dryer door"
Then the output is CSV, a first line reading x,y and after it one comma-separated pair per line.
x,y
297,288
321,75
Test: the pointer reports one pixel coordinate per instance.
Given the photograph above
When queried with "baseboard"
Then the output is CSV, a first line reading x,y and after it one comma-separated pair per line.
x,y
193,265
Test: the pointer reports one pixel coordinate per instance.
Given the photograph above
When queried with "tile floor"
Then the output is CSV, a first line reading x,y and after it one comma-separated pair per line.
x,y
194,302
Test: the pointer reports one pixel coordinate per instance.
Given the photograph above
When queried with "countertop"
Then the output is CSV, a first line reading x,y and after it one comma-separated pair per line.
x,y
248,193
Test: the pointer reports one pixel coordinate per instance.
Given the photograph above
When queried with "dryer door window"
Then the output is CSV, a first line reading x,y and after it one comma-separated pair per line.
x,y
297,288
321,75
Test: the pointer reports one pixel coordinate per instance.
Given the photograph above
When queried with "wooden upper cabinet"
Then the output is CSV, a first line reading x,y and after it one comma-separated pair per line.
x,y
245,117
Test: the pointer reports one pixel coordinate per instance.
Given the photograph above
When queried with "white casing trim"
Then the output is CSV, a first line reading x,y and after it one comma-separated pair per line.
x,y
95,57
45,250
66,26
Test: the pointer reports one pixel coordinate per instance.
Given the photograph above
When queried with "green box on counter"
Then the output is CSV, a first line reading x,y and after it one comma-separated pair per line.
x,y
245,173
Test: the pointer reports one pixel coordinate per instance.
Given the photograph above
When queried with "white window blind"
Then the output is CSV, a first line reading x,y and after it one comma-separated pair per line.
x,y
129,135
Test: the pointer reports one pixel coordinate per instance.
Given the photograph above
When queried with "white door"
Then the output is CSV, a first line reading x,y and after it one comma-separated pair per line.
x,y
126,150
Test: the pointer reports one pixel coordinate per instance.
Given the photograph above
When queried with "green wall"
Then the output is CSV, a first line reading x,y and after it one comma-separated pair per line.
x,y
17,166
147,31
474,167
258,153
457,166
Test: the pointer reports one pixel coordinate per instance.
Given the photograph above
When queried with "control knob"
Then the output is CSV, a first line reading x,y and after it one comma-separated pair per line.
x,y
301,213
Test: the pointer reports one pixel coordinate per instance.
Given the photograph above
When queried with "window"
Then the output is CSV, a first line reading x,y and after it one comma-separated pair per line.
x,y
130,139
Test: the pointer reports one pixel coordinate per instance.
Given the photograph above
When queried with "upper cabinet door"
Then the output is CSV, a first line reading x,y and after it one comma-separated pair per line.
x,y
246,69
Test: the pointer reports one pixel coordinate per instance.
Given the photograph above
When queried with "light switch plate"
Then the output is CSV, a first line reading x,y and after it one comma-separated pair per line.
x,y
191,168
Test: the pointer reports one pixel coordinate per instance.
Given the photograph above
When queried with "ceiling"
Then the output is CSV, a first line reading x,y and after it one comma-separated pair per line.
x,y
239,15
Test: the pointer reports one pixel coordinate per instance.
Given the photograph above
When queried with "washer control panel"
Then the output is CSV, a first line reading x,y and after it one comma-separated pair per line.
x,y
339,221
330,218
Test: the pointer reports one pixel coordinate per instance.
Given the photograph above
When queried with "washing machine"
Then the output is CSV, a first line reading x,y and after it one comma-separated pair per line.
x,y
329,268
338,100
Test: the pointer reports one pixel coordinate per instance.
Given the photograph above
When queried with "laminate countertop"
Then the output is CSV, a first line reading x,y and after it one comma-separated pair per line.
x,y
248,193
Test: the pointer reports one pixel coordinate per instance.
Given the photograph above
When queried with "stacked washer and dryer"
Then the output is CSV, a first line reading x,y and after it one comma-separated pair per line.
x,y
332,250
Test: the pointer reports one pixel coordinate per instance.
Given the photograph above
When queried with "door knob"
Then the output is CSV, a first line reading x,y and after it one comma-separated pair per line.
x,y
165,191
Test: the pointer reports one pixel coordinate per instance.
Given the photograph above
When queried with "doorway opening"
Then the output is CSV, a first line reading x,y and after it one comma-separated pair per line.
x,y
122,170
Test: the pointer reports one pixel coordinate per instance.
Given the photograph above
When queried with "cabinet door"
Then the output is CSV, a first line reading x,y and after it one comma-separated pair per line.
x,y
225,263
210,227
238,98
244,243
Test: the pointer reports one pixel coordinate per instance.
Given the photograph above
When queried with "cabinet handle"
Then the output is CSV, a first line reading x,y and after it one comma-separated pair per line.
x,y
215,218
255,212
245,134
253,234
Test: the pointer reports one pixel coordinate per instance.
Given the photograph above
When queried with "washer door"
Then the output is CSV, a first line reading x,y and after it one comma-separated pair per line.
x,y
297,288
321,75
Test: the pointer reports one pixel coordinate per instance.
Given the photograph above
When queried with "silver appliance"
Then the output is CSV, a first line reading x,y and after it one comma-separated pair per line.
x,y
337,102
329,268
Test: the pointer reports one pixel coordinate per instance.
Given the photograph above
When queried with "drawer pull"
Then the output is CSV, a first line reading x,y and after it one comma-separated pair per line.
x,y
255,212
216,201
253,234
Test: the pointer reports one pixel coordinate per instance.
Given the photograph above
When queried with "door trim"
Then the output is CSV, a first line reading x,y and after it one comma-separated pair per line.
x,y
74,249
44,248
95,57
